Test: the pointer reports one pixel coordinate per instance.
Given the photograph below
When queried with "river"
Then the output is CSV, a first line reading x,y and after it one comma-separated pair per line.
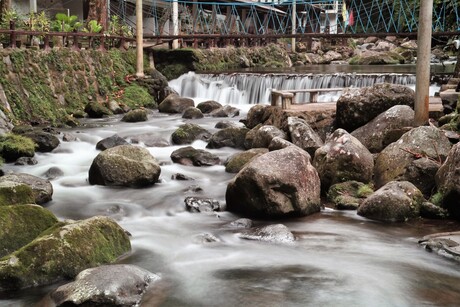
x,y
338,258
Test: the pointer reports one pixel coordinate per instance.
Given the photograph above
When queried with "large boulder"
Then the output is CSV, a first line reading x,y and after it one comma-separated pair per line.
x,y
96,110
386,128
13,147
45,141
188,133
225,111
258,114
15,193
343,158
421,173
280,183
63,251
124,165
228,137
192,113
396,201
238,160
448,182
111,141
191,156
175,104
425,141
21,224
263,136
107,285
42,188
303,135
356,107
134,116
208,106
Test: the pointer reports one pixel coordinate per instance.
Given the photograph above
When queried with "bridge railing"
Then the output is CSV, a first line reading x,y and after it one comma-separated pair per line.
x,y
311,16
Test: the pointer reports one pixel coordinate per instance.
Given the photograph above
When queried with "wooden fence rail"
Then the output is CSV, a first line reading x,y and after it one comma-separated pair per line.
x,y
12,38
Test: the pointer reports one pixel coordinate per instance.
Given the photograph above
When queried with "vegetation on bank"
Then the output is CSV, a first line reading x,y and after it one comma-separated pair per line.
x,y
47,87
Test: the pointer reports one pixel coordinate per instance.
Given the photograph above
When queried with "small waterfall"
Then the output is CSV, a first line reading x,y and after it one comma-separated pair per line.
x,y
255,88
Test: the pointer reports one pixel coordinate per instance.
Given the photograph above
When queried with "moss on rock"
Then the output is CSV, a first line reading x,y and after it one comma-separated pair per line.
x,y
63,251
14,146
21,224
14,193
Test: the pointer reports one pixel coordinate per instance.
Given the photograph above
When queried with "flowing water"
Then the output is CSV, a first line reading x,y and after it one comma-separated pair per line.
x,y
338,258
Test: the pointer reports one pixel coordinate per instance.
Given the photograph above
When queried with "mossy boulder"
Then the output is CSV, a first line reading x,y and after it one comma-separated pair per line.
x,y
62,251
42,189
237,161
134,116
14,193
377,58
356,107
422,142
20,224
45,141
343,158
13,146
124,165
448,182
397,201
348,195
229,137
188,133
97,110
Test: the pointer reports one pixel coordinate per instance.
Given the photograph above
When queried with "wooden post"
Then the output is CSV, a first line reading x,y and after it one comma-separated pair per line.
x,y
175,22
12,34
422,83
139,41
294,24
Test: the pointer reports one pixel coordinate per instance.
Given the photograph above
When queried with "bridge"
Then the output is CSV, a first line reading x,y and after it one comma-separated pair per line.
x,y
269,20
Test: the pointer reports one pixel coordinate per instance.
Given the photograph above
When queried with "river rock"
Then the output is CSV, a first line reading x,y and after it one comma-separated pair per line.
x,y
279,183
175,104
53,173
448,182
303,135
348,195
356,107
279,143
15,193
343,158
228,137
373,57
208,106
446,244
225,124
46,142
192,113
188,133
124,165
13,147
257,114
111,141
277,233
191,156
425,141
20,224
26,161
240,223
386,128
150,140
42,189
201,204
63,251
396,201
263,136
431,211
134,116
107,285
96,110
114,107
238,160
421,172
225,111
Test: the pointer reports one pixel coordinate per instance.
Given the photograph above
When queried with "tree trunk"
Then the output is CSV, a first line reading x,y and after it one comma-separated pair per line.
x,y
98,11
5,5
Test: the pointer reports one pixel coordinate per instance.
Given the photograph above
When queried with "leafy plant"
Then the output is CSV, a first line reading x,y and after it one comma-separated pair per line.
x,y
117,27
11,15
93,27
65,23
